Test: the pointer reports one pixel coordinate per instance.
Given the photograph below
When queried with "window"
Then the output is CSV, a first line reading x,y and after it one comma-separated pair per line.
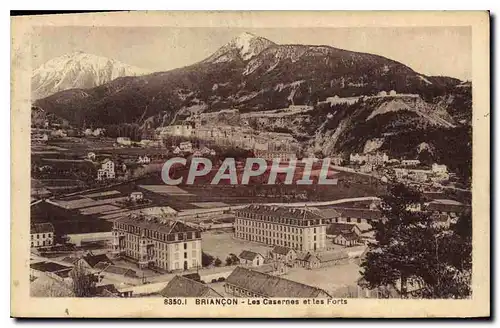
x,y
37,236
185,255
359,220
176,247
185,245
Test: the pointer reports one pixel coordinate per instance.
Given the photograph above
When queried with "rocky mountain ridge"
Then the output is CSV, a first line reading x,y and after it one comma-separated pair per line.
x,y
354,97
77,70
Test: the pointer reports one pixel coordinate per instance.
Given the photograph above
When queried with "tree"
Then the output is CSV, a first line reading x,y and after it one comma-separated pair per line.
x,y
404,242
412,250
217,262
206,259
83,282
232,259
453,269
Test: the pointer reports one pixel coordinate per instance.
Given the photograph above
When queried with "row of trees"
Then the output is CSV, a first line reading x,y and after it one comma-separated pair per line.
x,y
411,251
133,131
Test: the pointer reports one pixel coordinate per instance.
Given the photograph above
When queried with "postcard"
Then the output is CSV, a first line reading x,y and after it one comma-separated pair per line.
x,y
250,165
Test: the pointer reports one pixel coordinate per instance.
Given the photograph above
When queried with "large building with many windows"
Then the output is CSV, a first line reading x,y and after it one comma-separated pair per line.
x,y
302,229
157,242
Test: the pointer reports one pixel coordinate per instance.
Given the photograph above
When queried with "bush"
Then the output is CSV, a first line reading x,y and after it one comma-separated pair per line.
x,y
206,259
217,262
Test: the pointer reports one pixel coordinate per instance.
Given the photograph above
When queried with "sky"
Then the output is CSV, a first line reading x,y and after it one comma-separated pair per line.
x,y
443,51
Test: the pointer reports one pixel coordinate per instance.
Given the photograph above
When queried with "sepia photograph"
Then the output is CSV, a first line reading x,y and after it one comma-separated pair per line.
x,y
270,167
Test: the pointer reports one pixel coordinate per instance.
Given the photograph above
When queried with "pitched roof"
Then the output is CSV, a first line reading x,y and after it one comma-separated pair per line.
x,y
106,291
41,228
93,260
337,228
281,250
361,213
306,257
328,212
156,224
271,286
48,267
349,236
282,212
248,255
184,287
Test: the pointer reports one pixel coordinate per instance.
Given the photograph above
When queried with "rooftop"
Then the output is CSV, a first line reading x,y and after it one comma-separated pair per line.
x,y
41,228
93,260
48,267
184,287
337,228
282,250
283,212
248,255
271,286
349,235
156,224
361,213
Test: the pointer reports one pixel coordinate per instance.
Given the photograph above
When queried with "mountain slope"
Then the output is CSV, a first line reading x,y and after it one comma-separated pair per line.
x,y
77,70
249,73
245,46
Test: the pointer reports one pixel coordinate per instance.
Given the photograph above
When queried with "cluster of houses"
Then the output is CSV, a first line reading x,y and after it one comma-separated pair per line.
x,y
229,135
437,173
99,267
108,167
281,258
404,169
376,158
186,148
145,143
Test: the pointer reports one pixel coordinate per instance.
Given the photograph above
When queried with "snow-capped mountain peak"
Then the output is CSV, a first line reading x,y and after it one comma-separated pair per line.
x,y
248,46
78,70
245,46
